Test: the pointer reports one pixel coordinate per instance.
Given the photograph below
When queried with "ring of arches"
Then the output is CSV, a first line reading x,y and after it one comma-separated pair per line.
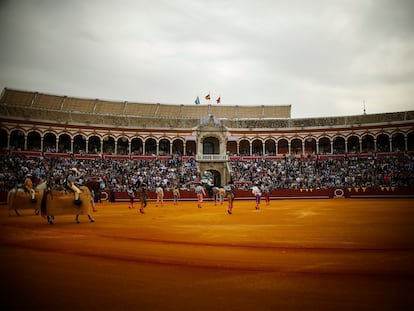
x,y
63,142
51,141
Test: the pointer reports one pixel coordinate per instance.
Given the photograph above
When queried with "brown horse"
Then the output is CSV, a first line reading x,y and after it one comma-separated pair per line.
x,y
61,202
93,184
21,199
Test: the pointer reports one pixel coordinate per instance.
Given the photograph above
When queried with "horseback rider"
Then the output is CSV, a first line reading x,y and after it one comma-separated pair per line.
x,y
28,186
70,183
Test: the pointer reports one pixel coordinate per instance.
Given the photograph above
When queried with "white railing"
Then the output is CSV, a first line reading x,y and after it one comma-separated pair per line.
x,y
212,157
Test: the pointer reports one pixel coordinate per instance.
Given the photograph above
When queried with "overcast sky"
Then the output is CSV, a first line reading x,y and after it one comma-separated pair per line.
x,y
325,58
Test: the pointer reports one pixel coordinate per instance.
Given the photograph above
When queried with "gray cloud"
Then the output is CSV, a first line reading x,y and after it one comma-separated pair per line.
x,y
322,57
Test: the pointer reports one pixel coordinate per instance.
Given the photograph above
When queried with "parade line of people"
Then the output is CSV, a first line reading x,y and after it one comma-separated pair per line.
x,y
137,177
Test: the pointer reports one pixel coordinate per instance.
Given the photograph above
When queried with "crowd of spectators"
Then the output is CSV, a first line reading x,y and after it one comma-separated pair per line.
x,y
314,173
287,173
119,174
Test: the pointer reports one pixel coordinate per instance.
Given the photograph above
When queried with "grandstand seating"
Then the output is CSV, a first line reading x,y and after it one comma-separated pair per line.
x,y
67,109
223,111
173,111
79,105
107,107
136,109
248,112
48,102
269,111
18,98
195,111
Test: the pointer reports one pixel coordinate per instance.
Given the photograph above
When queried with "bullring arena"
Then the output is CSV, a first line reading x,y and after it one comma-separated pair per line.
x,y
337,234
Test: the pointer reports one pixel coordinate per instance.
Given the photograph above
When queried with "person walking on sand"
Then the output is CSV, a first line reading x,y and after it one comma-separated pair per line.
x,y
222,194
160,195
266,192
131,195
256,192
230,197
143,195
215,191
201,192
93,200
176,195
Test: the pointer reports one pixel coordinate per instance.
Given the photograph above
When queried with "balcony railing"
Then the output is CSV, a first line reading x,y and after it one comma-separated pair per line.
x,y
212,157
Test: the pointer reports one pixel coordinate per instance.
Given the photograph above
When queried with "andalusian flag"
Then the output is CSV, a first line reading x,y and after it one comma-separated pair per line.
x,y
197,101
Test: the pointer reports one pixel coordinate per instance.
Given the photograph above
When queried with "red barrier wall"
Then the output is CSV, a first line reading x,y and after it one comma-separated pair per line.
x,y
293,194
380,192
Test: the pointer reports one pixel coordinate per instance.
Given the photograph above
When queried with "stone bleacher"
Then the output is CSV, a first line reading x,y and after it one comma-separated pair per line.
x,y
49,102
39,106
78,105
143,110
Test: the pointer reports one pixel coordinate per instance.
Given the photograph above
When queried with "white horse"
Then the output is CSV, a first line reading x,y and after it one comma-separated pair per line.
x,y
61,202
18,198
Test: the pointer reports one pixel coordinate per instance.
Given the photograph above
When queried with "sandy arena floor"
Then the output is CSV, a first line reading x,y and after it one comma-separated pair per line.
x,y
337,254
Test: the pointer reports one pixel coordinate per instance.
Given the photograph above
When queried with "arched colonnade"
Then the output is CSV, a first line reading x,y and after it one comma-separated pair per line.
x,y
103,143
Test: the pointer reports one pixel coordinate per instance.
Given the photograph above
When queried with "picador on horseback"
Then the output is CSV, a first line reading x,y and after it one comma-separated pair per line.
x,y
70,184
28,186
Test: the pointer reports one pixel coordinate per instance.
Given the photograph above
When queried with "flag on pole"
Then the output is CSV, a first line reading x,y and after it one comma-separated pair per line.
x,y
218,100
208,96
197,101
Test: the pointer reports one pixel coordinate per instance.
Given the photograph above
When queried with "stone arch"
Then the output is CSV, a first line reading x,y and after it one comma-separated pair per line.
x,y
216,177
296,146
178,146
34,141
310,145
79,144
108,146
270,146
257,147
94,144
190,147
17,139
122,144
150,146
283,146
232,147
244,147
410,141
398,142
211,144
49,142
338,145
137,146
3,139
368,144
325,145
353,144
164,146
64,143
383,143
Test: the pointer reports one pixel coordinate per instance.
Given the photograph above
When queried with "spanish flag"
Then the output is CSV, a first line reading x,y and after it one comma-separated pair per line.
x,y
208,97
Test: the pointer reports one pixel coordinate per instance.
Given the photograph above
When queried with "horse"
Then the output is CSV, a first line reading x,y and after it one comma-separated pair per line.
x,y
18,198
94,184
61,202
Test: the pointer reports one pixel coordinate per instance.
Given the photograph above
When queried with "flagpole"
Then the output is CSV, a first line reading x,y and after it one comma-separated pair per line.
x,y
209,98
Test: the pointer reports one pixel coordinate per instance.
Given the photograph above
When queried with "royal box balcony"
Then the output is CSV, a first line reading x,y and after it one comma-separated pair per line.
x,y
212,158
